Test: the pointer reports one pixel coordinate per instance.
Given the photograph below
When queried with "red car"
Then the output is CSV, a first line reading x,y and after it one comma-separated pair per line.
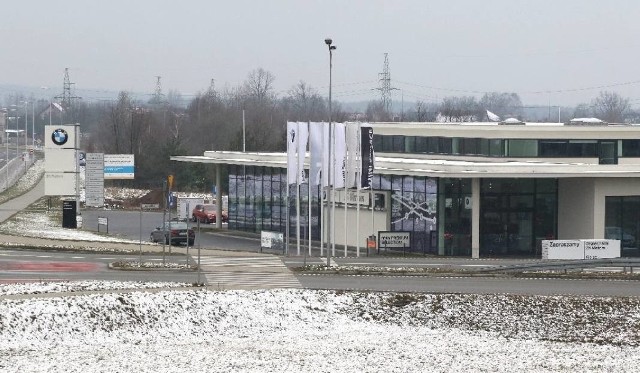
x,y
207,214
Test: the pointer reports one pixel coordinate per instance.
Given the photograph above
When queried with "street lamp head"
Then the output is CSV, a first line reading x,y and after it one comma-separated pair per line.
x,y
328,41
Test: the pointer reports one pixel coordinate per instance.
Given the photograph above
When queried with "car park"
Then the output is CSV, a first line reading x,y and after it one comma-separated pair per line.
x,y
173,232
206,213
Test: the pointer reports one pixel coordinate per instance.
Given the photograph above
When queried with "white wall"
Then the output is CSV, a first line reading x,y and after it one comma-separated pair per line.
x,y
576,208
581,204
381,222
606,187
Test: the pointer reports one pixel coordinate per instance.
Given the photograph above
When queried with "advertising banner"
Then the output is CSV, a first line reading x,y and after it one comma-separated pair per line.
x,y
119,166
366,156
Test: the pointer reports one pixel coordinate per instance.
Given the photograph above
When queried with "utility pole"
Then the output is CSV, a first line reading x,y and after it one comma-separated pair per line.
x,y
385,86
67,97
158,96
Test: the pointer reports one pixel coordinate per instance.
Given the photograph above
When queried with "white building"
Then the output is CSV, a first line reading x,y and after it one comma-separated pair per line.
x,y
469,189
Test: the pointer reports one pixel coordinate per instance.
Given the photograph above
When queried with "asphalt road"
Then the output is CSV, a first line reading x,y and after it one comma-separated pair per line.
x,y
134,225
473,285
128,224
29,265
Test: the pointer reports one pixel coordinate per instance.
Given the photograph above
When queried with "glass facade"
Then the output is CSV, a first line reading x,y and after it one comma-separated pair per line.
x,y
622,222
414,203
516,215
454,233
257,201
607,151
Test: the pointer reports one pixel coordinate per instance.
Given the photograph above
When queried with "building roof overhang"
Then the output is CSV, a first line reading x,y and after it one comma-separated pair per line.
x,y
390,164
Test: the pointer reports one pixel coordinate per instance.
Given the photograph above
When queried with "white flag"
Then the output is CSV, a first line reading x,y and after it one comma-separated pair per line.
x,y
352,154
318,146
339,152
292,147
303,137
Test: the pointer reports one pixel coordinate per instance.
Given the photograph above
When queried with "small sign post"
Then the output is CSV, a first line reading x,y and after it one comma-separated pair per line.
x,y
394,240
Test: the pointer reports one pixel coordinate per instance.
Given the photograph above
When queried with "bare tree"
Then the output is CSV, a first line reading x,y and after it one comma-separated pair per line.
x,y
118,124
259,85
460,109
376,112
304,103
421,111
583,111
503,104
610,107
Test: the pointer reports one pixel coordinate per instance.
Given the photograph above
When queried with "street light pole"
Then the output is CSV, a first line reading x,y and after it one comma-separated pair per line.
x,y
26,123
331,47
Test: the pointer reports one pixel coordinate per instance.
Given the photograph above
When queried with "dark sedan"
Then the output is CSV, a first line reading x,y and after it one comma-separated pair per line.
x,y
174,232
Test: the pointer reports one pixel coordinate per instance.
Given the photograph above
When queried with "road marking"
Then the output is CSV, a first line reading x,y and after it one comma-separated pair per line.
x,y
248,273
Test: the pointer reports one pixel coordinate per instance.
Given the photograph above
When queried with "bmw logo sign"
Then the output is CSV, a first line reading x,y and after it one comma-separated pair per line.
x,y
59,136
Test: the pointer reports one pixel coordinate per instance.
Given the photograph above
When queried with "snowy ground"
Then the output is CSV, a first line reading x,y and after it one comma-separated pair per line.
x,y
301,330
320,331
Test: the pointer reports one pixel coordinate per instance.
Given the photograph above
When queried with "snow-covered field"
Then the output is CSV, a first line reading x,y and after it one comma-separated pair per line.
x,y
106,327
317,331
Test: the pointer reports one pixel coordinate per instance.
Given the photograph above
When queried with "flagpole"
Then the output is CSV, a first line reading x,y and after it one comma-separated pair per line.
x,y
287,197
333,194
331,228
298,216
321,190
299,180
358,182
346,185
309,190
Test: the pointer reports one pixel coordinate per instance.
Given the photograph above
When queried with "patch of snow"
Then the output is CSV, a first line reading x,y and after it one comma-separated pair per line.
x,y
78,286
45,224
586,120
321,331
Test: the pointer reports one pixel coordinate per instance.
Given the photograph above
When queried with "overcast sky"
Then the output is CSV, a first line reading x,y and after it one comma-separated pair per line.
x,y
436,48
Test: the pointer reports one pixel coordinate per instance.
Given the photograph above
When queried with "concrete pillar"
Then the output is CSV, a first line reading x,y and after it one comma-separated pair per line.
x,y
475,218
218,196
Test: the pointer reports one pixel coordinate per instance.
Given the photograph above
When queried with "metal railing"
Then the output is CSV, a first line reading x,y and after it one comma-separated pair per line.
x,y
564,265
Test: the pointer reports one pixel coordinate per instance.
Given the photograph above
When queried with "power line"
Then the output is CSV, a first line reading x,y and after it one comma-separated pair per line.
x,y
633,82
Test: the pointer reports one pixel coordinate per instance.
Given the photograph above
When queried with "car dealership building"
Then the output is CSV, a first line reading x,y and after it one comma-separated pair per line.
x,y
464,189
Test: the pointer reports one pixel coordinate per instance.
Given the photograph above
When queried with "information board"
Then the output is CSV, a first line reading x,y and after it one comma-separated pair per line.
x,y
394,240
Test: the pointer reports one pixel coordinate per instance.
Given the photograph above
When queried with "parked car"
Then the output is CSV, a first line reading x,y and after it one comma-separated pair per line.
x,y
206,213
173,232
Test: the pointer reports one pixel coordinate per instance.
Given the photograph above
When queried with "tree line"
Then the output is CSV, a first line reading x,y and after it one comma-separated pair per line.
x,y
213,120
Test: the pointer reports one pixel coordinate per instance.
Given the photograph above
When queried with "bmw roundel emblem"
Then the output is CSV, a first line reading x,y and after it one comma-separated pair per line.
x,y
59,136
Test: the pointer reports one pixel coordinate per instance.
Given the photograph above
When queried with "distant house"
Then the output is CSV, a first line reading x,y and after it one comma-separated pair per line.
x,y
54,110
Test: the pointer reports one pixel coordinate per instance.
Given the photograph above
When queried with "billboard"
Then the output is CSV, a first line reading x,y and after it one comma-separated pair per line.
x,y
60,159
61,137
580,249
59,183
119,166
94,179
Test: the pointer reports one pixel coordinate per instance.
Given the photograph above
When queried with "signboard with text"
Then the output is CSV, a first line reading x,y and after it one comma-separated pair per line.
x,y
94,179
580,249
394,240
119,166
